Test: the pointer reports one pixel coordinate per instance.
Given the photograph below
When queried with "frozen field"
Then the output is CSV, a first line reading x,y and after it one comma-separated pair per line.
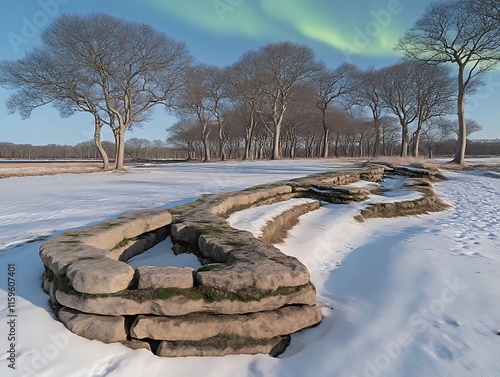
x,y
414,296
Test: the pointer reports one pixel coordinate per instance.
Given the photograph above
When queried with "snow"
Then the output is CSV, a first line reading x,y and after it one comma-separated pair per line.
x,y
162,255
254,219
414,296
36,207
393,191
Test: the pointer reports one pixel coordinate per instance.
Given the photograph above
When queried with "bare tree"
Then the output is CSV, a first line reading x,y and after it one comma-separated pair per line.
x,y
435,92
129,67
135,146
456,32
398,91
433,133
218,92
301,114
449,127
283,67
184,134
366,92
331,85
45,77
340,124
196,100
158,145
246,89
487,8
389,135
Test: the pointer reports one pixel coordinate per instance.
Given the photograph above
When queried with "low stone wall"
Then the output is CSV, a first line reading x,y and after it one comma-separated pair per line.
x,y
247,297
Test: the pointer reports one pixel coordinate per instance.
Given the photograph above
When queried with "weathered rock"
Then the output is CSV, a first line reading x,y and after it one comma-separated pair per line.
x,y
135,246
262,325
104,328
185,232
108,234
223,345
263,274
180,305
229,202
137,344
165,277
46,283
48,288
58,256
218,247
102,275
275,230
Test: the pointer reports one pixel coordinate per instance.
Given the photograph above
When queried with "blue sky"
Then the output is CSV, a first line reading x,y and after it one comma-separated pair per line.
x,y
218,32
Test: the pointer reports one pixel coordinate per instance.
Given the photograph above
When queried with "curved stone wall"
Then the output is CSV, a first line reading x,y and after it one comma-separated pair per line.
x,y
247,297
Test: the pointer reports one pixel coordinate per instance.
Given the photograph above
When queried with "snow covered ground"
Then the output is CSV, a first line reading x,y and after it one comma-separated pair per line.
x,y
412,296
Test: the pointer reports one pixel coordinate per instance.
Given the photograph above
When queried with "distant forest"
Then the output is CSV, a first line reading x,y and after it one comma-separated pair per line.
x,y
143,149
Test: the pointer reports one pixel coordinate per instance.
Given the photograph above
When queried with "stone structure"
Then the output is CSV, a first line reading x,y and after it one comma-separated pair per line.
x,y
247,297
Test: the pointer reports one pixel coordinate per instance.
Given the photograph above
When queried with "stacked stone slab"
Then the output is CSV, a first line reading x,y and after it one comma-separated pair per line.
x,y
247,297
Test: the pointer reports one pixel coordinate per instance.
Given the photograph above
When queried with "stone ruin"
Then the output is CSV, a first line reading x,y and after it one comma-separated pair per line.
x,y
247,298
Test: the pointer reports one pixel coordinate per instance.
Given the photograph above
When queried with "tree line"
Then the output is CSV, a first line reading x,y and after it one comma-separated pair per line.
x,y
276,101
146,150
135,149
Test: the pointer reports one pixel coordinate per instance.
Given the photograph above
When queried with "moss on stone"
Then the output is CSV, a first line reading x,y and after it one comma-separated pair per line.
x,y
49,274
62,283
124,243
211,267
237,243
210,229
225,341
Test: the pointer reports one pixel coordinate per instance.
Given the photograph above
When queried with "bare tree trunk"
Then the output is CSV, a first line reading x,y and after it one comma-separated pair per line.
x,y
205,133
100,148
222,142
276,142
336,151
249,137
326,136
462,126
376,147
206,149
121,149
416,140
404,140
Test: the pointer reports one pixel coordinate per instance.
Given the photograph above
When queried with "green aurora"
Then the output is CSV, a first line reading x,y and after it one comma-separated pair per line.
x,y
349,27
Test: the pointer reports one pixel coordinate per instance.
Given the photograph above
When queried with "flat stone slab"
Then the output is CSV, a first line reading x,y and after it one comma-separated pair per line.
x,y
262,325
222,346
100,276
165,277
108,234
60,252
107,329
246,198
261,273
180,305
